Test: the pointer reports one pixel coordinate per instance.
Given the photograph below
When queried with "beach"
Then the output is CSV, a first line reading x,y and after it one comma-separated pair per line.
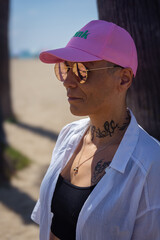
x,y
40,105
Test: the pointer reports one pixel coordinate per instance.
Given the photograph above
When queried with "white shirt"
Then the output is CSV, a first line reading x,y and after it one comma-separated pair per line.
x,y
125,204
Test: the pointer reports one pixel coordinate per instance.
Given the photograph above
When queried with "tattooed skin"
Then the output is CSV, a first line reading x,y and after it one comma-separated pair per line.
x,y
99,168
125,124
109,128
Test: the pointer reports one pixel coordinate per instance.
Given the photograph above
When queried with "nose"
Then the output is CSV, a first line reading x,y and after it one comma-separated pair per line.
x,y
70,81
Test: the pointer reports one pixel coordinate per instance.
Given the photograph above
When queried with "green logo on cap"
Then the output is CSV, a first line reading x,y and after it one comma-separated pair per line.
x,y
82,34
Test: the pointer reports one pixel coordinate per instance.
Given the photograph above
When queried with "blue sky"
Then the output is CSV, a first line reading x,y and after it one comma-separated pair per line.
x,y
37,25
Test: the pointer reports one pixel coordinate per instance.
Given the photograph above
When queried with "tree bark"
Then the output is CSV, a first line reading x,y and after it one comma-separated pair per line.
x,y
2,147
141,18
5,96
5,100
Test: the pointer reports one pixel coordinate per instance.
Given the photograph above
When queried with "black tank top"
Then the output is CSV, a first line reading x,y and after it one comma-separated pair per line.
x,y
67,202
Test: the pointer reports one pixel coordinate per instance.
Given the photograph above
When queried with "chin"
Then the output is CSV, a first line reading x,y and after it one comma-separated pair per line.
x,y
78,112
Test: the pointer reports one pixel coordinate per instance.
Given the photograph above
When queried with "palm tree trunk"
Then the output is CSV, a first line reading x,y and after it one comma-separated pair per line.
x,y
2,146
5,99
142,20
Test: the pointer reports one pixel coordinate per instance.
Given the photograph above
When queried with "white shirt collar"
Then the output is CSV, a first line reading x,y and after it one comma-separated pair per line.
x,y
127,145
128,142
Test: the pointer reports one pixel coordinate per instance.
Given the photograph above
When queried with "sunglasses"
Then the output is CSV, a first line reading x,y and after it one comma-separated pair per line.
x,y
79,69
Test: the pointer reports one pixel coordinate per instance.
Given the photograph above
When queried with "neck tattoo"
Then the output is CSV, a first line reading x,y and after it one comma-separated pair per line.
x,y
109,128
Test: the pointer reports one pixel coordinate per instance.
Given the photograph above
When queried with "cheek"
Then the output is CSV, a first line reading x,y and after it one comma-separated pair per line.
x,y
98,90
95,98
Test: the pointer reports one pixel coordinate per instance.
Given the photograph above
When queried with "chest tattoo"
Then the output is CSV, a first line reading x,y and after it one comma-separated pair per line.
x,y
98,171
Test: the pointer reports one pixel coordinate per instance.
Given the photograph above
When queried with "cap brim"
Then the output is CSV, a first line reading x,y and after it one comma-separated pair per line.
x,y
67,54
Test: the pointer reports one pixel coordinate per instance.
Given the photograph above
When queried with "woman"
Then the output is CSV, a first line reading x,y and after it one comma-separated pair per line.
x,y
99,182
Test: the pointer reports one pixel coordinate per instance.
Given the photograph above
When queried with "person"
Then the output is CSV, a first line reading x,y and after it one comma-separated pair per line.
x,y
103,179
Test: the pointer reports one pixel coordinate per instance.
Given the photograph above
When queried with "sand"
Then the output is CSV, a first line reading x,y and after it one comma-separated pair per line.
x,y
40,104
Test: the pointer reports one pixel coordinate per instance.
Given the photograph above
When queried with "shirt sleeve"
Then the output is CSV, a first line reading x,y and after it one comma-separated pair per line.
x,y
35,216
147,226
36,213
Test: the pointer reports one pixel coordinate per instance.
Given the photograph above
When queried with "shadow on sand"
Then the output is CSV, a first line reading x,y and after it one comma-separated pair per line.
x,y
14,199
17,201
38,130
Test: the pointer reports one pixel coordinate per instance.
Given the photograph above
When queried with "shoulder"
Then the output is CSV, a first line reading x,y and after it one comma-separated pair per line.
x,y
77,123
148,145
147,151
72,128
68,136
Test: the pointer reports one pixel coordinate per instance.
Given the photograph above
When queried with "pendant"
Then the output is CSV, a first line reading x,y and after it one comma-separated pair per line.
x,y
75,170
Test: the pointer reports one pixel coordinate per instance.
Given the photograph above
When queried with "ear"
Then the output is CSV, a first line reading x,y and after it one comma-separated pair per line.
x,y
126,78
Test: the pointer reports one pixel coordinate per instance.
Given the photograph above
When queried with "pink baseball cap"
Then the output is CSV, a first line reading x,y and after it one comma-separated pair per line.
x,y
97,40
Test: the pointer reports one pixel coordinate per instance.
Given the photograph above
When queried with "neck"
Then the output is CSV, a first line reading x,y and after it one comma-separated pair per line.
x,y
109,128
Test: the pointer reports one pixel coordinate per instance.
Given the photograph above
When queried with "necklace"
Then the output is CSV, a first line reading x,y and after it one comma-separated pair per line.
x,y
76,169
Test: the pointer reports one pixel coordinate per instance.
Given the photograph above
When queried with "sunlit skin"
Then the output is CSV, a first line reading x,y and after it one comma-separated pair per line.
x,y
102,98
103,95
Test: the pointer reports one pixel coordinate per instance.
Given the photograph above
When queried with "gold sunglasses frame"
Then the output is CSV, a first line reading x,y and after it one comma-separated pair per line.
x,y
57,65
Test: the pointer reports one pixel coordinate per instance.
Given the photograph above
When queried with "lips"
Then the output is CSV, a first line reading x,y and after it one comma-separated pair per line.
x,y
72,97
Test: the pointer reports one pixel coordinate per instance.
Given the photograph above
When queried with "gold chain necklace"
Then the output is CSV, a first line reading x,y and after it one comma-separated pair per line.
x,y
76,169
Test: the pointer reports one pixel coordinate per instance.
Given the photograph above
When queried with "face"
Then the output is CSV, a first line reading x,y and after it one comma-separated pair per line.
x,y
97,94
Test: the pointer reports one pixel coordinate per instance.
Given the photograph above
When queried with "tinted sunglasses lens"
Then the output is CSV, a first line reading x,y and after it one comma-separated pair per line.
x,y
61,71
81,72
